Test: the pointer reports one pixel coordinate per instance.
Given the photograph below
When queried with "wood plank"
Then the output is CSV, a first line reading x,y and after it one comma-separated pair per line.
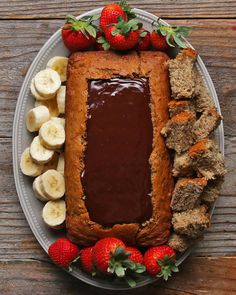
x,y
18,242
58,8
197,276
20,41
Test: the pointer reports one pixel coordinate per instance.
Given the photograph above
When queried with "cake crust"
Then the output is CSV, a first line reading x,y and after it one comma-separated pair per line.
x,y
82,67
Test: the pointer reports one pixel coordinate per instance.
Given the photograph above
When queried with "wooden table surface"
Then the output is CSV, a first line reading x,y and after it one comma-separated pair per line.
x,y
25,26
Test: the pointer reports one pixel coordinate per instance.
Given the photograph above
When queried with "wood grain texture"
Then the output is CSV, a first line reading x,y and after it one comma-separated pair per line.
x,y
169,8
197,276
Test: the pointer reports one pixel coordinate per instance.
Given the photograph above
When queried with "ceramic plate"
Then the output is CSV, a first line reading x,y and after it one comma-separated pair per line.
x,y
22,138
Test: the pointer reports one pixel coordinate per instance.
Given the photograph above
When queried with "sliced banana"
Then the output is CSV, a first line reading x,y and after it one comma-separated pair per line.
x,y
53,184
37,187
39,153
59,64
54,214
47,82
36,117
61,164
51,105
28,167
37,95
61,98
52,164
58,120
52,135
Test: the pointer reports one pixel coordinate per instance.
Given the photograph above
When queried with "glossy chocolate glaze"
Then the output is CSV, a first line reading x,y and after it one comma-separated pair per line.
x,y
117,175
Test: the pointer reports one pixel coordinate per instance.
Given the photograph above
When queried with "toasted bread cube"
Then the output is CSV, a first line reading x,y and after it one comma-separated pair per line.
x,y
182,165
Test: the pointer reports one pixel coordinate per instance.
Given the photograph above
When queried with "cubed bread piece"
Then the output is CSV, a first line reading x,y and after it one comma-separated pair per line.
x,y
202,98
181,74
179,106
191,223
178,131
206,124
178,242
182,165
186,194
212,191
207,160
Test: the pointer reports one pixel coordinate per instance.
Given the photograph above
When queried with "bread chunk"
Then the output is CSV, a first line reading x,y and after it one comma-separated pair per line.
x,y
182,165
191,223
179,106
179,243
178,131
182,75
202,99
207,160
187,193
212,191
206,124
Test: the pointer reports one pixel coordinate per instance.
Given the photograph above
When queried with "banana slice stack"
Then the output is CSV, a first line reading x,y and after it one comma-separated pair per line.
x,y
44,158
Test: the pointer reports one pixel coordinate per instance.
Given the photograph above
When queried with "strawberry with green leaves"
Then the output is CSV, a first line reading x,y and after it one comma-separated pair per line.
x,y
63,252
79,34
122,35
111,12
110,257
144,40
164,37
160,261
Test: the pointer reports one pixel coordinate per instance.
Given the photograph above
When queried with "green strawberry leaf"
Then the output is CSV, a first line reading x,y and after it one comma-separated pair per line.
x,y
129,264
130,281
91,30
169,40
127,9
143,34
140,268
114,32
119,271
101,39
179,42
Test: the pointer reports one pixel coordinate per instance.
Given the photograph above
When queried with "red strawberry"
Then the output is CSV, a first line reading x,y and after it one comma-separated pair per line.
x,y
103,251
78,34
109,15
144,40
123,35
164,37
135,255
63,252
160,261
86,259
159,41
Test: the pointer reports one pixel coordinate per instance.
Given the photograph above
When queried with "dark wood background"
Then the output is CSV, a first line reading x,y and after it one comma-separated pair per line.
x,y
25,26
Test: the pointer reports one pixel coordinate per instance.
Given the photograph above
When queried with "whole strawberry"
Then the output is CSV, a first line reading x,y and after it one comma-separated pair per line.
x,y
109,15
144,40
160,261
63,252
135,255
86,259
164,37
78,34
123,35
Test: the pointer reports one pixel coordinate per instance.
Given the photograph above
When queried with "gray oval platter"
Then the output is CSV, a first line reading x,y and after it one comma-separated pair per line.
x,y
22,138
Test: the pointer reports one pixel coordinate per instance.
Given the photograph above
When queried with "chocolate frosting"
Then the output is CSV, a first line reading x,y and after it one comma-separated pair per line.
x,y
117,175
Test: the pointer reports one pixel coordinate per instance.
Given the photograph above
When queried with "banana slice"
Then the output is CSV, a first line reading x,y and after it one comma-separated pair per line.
x,y
36,94
47,82
36,117
52,164
39,153
59,64
61,164
54,214
61,121
61,98
53,184
51,105
37,187
28,167
52,135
